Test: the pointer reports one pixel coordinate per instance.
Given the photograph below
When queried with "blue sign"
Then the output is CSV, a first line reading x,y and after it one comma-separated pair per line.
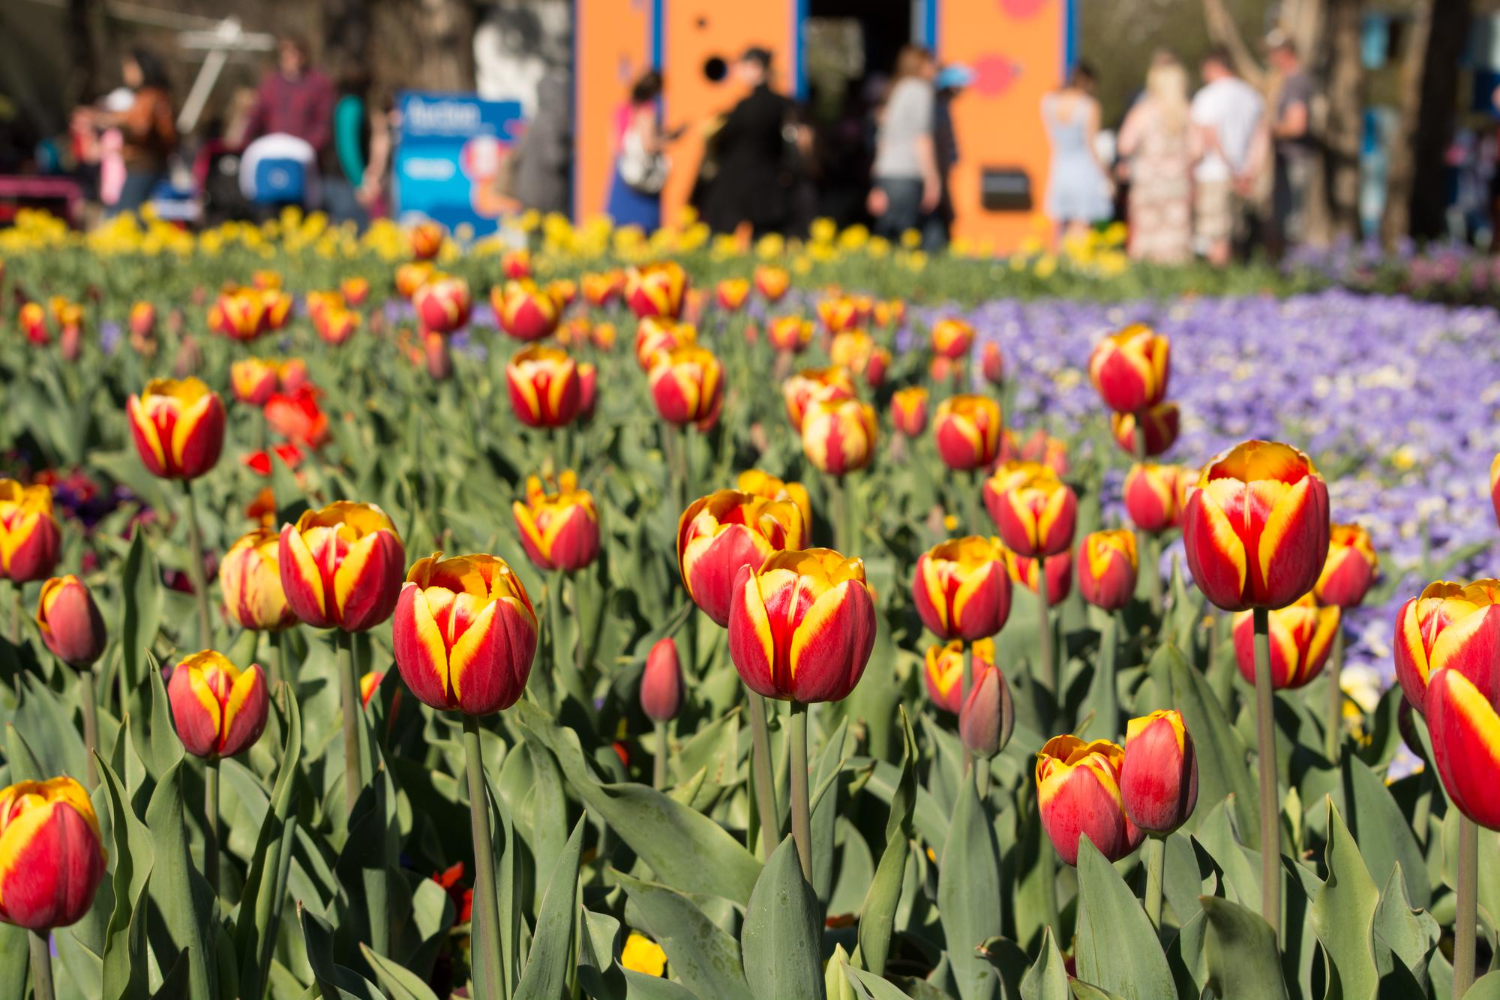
x,y
451,160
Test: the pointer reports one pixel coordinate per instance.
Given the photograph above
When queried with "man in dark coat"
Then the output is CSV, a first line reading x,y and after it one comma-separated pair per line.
x,y
756,153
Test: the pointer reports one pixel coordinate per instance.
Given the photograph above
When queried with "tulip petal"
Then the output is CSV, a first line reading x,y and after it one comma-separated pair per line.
x,y
752,645
1465,733
421,653
834,637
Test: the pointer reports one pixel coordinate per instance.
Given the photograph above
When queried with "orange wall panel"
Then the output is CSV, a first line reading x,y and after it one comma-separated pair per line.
x,y
612,46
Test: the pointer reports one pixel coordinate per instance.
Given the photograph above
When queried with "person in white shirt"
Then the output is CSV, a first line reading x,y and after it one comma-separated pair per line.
x,y
1230,118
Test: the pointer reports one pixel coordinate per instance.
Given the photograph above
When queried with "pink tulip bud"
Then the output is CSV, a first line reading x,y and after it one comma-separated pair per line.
x,y
661,684
986,718
70,622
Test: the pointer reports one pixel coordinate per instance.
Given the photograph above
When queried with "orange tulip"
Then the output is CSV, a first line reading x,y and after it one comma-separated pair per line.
x,y
601,289
731,293
412,276
772,282
425,240
789,334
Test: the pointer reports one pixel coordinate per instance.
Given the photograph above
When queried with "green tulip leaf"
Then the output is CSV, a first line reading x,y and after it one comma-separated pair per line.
x,y
1343,915
780,939
1117,947
969,895
177,891
546,972
1222,770
704,957
1240,948
1047,979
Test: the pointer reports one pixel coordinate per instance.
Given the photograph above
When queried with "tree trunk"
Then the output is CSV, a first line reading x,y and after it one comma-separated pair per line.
x,y
1395,221
85,52
346,41
424,44
1345,124
1447,37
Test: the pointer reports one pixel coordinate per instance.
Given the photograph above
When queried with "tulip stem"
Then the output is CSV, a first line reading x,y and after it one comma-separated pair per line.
x,y
965,683
1265,748
15,614
659,761
981,777
349,696
1156,853
1464,921
211,830
90,724
765,796
41,966
1150,545
195,567
1050,668
801,807
1333,725
485,930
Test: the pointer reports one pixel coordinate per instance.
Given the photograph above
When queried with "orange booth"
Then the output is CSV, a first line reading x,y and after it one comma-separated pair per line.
x,y
1017,50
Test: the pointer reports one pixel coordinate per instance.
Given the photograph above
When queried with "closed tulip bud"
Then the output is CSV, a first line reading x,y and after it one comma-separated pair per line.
x,y
1449,625
661,683
789,334
960,588
802,625
967,429
559,531
70,623
687,386
1078,792
992,363
1107,568
1034,511
1160,424
987,717
30,541
952,338
355,290
731,293
52,856
178,427
944,671
909,411
656,289
250,577
601,289
1301,637
1465,733
1130,368
875,368
525,311
544,389
465,634
1350,569
516,264
839,437
412,276
32,319
838,314
588,388
425,240
341,566
1159,775
219,710
442,304
1154,495
655,336
1022,570
253,380
1255,528
768,487
814,385
772,282
724,532
142,318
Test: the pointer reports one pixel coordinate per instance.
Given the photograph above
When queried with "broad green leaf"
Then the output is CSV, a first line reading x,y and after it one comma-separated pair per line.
x,y
1403,935
546,973
877,915
1343,915
1222,770
336,981
1384,836
140,616
178,891
969,895
702,955
870,986
1047,979
1241,950
124,973
780,939
639,986
398,982
1117,947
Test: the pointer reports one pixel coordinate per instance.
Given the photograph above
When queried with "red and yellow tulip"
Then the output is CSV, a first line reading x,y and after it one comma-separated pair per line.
x,y
544,386
687,386
1078,792
1350,569
1256,526
355,289
178,427
32,319
465,634
70,622
762,484
909,410
1022,571
1465,732
253,380
789,334
600,289
1449,625
951,338
516,264
1107,568
943,673
564,291
30,541
442,303
772,282
724,532
1130,368
656,289
888,312
52,855
525,311
341,566
961,589
239,313
656,336
967,429
813,385
250,577
1302,636
1159,773
1034,511
731,293
857,351
838,436
559,531
838,314
413,275
1160,424
219,709
802,625
142,320
992,363
1038,446
425,240
1154,495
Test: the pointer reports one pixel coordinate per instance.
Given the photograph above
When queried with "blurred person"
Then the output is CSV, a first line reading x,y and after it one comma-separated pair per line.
x,y
374,184
641,164
755,148
949,82
1291,131
907,184
1229,118
1157,140
147,127
294,100
351,149
544,153
1078,190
